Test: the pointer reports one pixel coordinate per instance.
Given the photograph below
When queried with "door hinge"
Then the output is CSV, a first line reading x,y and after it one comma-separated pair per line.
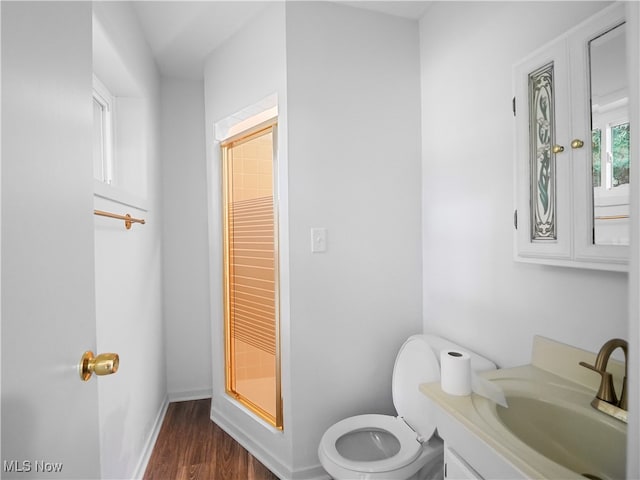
x,y
515,219
513,105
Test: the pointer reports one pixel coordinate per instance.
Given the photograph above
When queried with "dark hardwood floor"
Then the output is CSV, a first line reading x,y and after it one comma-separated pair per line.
x,y
191,447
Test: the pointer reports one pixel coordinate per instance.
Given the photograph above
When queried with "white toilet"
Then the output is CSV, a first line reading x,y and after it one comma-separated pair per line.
x,y
382,447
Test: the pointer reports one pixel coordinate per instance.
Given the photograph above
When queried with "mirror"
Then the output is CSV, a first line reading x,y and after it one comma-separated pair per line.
x,y
609,98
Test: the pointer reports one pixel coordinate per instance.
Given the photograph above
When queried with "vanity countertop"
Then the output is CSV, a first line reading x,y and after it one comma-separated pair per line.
x,y
494,450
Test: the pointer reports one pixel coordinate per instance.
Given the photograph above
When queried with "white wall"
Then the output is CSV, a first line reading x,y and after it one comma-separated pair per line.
x,y
0,224
350,162
184,240
633,438
474,292
354,168
128,265
246,69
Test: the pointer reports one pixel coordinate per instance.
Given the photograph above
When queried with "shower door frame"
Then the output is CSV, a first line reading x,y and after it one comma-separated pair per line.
x,y
264,128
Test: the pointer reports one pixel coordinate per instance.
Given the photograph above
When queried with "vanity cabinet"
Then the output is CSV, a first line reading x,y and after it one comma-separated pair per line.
x,y
467,456
572,170
455,468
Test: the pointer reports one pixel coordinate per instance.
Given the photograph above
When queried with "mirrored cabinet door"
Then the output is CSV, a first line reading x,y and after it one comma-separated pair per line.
x,y
572,148
600,95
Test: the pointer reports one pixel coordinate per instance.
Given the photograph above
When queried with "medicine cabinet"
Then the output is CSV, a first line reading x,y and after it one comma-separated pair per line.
x,y
572,148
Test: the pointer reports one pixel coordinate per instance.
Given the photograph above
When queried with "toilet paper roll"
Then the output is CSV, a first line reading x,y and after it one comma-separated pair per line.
x,y
455,372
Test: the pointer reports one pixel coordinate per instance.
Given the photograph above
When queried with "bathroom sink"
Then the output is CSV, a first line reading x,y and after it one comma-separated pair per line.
x,y
549,429
576,439
557,421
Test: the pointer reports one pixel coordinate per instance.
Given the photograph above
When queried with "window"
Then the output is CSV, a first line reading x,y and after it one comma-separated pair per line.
x,y
102,133
610,148
251,272
620,154
596,152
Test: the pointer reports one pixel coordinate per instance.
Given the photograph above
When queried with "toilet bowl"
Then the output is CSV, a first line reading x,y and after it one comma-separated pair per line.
x,y
379,447
383,447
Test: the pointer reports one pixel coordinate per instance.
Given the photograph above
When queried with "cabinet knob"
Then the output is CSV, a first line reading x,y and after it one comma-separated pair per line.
x,y
577,143
557,149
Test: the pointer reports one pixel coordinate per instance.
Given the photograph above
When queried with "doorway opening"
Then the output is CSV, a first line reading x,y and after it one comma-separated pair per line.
x,y
251,299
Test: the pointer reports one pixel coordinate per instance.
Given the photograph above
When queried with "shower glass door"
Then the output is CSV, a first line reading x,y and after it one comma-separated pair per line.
x,y
251,274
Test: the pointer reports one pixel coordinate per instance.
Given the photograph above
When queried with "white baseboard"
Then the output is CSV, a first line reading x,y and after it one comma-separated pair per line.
x,y
153,436
151,441
315,472
248,443
311,473
189,395
282,471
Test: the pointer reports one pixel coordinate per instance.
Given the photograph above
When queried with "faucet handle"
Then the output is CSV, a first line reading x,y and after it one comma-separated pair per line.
x,y
606,392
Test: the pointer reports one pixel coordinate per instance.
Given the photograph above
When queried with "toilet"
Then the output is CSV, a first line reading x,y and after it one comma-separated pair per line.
x,y
382,447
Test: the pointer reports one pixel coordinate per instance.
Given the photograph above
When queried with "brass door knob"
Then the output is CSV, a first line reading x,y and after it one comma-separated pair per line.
x,y
577,143
103,364
557,149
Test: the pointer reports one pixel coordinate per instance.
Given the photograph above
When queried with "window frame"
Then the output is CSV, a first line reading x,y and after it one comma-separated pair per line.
x,y
106,100
606,123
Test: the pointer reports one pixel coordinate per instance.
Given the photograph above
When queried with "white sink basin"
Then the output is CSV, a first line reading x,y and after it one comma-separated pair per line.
x,y
549,431
578,440
557,421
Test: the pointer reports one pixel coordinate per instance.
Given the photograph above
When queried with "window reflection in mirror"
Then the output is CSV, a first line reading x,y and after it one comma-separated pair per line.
x,y
610,137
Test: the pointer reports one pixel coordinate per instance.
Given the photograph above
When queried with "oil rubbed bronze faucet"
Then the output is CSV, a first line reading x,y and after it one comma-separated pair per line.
x,y
606,400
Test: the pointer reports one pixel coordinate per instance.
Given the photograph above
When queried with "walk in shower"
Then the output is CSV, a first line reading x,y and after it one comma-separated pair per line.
x,y
251,273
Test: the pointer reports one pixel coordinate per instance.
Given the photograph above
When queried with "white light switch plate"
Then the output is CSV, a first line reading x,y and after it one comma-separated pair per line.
x,y
318,240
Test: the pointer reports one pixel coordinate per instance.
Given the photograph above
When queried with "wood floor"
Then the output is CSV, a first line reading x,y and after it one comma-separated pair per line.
x,y
191,447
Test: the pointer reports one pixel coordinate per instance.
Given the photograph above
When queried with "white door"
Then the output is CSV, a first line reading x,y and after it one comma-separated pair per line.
x,y
49,416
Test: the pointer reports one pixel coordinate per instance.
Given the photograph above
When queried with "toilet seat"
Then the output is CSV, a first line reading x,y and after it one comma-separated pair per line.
x,y
410,447
383,447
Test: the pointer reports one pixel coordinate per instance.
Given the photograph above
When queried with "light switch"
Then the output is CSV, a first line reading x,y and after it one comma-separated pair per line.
x,y
318,240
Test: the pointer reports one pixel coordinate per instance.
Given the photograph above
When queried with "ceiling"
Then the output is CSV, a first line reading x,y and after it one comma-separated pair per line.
x,y
183,33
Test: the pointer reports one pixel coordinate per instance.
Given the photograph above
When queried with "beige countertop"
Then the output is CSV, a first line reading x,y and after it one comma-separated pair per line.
x,y
478,416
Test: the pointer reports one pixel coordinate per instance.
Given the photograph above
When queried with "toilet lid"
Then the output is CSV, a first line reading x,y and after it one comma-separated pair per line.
x,y
416,363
